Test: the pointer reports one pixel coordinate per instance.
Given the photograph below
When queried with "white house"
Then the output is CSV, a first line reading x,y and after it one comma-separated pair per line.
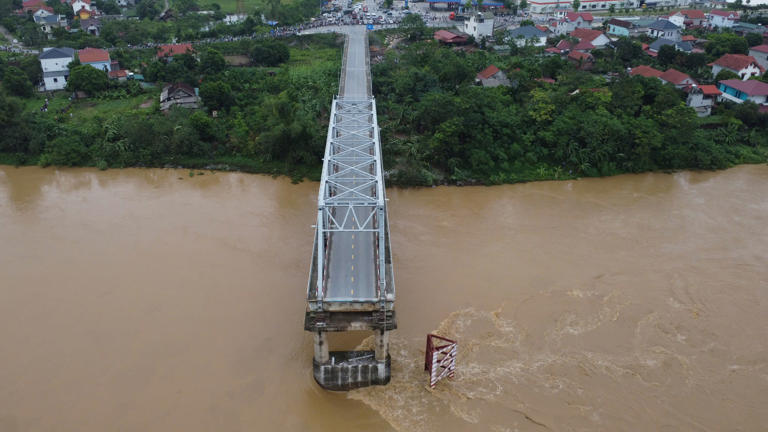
x,y
760,53
742,65
527,35
702,98
80,4
48,21
597,38
54,62
664,29
572,21
479,25
721,18
677,19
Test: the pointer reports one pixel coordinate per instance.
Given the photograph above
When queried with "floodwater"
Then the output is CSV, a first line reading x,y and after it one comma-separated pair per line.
x,y
149,300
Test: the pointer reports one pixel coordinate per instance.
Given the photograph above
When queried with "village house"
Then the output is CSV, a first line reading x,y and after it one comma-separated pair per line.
x,y
653,49
118,74
450,38
720,18
527,35
95,57
676,78
91,26
572,21
702,98
742,65
55,65
664,29
645,71
595,37
168,51
48,21
179,94
80,4
32,6
617,27
760,53
689,18
740,91
479,25
492,77
582,60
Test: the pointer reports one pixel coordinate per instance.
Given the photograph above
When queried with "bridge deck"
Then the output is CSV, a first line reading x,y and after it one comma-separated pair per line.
x,y
351,263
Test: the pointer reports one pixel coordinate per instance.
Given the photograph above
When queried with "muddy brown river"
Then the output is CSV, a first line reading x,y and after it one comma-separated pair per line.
x,y
149,300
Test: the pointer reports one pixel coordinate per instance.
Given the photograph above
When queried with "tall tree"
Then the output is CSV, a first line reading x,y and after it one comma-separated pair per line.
x,y
576,5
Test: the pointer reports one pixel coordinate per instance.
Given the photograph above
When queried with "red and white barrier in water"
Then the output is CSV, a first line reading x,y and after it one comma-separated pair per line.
x,y
440,358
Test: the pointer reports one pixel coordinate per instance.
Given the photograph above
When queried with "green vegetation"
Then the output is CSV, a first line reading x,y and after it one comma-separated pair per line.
x,y
268,120
438,127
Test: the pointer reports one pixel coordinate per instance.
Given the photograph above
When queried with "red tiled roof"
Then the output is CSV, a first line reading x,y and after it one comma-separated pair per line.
x,y
750,87
734,62
710,90
587,34
760,48
546,80
578,56
564,45
620,23
488,72
118,73
92,55
724,13
645,71
172,50
674,76
693,14
542,28
553,50
583,45
689,38
448,37
573,16
33,3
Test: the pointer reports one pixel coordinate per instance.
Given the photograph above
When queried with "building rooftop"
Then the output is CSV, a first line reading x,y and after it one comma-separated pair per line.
x,y
172,50
750,87
93,55
645,71
734,61
54,53
488,72
528,32
674,76
663,25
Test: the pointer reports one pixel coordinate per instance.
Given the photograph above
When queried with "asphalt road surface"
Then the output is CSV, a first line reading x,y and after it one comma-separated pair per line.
x,y
352,262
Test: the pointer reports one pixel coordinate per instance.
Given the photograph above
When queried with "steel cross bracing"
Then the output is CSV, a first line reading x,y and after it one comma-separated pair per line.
x,y
352,201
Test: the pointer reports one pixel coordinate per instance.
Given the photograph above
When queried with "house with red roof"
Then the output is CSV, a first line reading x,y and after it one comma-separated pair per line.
x,y
742,65
689,18
492,77
702,98
721,18
168,51
582,60
645,71
95,57
446,37
32,6
760,53
676,78
571,21
741,91
597,38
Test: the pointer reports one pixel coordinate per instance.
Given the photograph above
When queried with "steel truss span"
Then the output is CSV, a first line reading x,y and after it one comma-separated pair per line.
x,y
352,258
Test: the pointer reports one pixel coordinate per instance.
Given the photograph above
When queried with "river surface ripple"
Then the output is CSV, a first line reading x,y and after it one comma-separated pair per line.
x,y
152,300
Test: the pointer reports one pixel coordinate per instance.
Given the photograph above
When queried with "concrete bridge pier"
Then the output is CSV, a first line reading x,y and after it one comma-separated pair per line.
x,y
321,347
382,345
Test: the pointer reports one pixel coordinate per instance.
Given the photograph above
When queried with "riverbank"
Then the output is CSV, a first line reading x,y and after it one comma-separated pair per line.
x,y
624,303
